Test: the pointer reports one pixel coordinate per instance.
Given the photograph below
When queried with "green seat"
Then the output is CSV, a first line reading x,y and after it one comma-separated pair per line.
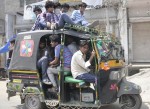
x,y
66,73
70,79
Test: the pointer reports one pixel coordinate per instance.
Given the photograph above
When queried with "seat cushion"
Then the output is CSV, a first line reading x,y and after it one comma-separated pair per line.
x,y
67,73
70,79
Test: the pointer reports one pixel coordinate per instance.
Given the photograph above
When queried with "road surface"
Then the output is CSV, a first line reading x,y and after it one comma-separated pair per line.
x,y
14,102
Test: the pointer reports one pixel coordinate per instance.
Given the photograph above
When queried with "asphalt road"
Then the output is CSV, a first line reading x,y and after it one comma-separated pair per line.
x,y
14,102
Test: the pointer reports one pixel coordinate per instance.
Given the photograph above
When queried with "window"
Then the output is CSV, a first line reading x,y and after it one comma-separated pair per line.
x,y
21,3
28,2
32,1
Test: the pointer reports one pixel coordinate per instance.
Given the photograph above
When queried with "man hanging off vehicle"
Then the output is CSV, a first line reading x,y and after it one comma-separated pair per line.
x,y
54,65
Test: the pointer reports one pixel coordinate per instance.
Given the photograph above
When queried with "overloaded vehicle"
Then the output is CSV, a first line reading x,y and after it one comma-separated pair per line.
x,y
108,65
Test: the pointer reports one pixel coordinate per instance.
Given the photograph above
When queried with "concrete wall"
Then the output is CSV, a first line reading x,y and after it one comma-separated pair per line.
x,y
2,31
122,18
2,17
2,7
138,15
11,7
16,23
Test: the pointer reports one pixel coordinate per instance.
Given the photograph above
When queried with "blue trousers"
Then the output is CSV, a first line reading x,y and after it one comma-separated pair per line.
x,y
64,18
87,77
43,64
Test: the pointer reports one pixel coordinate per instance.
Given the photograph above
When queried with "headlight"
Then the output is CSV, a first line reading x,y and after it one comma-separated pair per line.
x,y
122,72
118,74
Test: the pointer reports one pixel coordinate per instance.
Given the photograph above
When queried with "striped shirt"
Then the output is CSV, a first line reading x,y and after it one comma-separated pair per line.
x,y
78,18
40,23
52,18
42,18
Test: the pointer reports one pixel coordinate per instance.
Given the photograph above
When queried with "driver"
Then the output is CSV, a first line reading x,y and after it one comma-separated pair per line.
x,y
79,67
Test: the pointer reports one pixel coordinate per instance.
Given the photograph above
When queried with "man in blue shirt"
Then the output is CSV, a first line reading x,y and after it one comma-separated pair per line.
x,y
67,55
76,18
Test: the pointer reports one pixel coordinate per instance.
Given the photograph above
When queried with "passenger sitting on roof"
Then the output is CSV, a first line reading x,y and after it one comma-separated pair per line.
x,y
43,58
78,15
53,69
57,7
37,11
39,15
51,17
44,19
79,67
63,18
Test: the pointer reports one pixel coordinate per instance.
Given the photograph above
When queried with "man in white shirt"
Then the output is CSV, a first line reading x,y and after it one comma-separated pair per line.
x,y
79,67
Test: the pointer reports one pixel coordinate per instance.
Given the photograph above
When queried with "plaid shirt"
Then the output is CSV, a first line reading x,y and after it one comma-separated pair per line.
x,y
52,17
42,18
39,20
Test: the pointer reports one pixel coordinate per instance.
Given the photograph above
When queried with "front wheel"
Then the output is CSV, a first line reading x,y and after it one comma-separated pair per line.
x,y
131,101
32,102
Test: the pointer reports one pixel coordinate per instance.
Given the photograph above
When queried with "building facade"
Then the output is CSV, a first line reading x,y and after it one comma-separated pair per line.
x,y
127,19
2,31
14,17
139,30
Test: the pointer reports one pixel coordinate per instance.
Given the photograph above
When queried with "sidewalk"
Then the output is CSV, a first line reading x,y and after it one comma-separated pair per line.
x,y
143,79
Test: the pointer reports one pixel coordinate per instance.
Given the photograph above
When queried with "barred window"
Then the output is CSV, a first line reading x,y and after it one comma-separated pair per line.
x,y
21,3
28,2
32,1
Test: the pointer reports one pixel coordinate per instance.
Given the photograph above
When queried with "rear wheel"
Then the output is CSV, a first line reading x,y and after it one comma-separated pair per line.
x,y
131,101
32,102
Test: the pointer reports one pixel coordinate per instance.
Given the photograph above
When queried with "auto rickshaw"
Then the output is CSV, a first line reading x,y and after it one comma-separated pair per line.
x,y
108,66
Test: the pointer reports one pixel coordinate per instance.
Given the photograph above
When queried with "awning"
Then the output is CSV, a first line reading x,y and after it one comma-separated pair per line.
x,y
5,48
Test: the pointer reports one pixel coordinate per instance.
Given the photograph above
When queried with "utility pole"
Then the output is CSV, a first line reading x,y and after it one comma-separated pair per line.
x,y
107,20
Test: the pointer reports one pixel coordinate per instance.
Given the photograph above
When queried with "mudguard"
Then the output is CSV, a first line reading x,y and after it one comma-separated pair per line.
x,y
12,88
34,91
127,87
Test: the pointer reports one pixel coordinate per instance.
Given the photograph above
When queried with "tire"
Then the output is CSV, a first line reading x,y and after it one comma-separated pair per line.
x,y
22,101
32,102
131,102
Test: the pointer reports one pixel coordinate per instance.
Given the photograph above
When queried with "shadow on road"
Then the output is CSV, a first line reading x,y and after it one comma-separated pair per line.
x,y
3,79
112,106
145,105
20,107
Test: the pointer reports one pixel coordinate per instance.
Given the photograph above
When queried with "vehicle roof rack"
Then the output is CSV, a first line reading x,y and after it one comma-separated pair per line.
x,y
80,28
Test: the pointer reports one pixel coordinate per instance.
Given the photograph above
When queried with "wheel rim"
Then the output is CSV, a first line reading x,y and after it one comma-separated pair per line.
x,y
33,101
131,102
